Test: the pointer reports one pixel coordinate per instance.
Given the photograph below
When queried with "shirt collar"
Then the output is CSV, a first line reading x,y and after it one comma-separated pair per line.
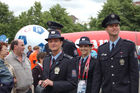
x,y
1,60
23,56
84,58
55,57
40,64
115,42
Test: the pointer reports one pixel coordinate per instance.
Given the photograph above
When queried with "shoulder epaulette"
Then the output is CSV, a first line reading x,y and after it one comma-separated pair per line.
x,y
68,40
68,56
126,40
103,44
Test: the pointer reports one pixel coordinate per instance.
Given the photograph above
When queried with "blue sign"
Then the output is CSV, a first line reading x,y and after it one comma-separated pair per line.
x,y
38,29
42,47
3,38
23,38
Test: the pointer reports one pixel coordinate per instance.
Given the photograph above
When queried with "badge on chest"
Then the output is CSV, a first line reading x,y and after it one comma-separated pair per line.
x,y
122,61
56,70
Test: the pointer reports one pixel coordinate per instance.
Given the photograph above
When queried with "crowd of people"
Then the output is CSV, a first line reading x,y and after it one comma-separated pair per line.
x,y
61,70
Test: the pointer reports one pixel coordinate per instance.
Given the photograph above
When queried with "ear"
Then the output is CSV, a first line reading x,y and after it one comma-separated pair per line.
x,y
15,46
61,42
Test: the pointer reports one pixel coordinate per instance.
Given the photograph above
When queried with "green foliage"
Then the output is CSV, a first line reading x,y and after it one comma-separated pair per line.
x,y
9,24
7,21
128,12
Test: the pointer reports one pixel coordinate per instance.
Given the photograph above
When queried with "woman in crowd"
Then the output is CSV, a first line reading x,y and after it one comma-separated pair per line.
x,y
85,65
37,71
6,78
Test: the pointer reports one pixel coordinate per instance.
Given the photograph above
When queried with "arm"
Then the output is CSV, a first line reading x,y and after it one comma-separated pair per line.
x,y
97,76
133,67
67,84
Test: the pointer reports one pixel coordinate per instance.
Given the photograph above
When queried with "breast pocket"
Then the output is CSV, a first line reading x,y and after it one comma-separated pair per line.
x,y
122,59
104,62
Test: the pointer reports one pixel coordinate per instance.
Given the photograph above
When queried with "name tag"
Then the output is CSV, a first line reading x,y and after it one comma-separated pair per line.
x,y
81,86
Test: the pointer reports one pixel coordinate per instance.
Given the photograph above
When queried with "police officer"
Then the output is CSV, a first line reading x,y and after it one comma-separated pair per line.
x,y
58,72
85,64
68,46
117,68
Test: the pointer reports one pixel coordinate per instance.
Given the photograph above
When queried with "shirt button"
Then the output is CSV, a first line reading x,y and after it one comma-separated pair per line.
x,y
112,58
112,74
112,66
113,83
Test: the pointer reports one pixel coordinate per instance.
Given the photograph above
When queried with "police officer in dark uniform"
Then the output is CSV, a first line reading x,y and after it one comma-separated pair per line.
x,y
85,64
68,46
117,68
58,73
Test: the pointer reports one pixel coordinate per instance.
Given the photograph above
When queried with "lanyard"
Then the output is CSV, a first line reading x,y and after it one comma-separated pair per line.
x,y
41,68
85,68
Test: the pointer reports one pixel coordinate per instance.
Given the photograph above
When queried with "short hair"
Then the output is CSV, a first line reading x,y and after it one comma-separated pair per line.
x,y
41,55
3,44
29,46
36,47
14,42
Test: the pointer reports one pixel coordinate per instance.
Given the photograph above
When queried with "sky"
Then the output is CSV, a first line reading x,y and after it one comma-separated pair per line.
x,y
82,9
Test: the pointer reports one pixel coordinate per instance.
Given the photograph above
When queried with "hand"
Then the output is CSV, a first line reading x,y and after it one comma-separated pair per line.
x,y
40,82
47,82
15,81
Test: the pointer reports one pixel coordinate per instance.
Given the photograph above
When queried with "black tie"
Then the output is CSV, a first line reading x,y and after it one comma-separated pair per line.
x,y
82,61
82,67
112,47
53,62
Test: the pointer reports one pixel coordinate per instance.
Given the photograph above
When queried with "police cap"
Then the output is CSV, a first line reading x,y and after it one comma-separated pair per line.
x,y
84,41
54,25
54,34
111,19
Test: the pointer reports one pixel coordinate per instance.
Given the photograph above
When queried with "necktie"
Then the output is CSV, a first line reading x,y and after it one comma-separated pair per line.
x,y
82,61
112,47
53,62
82,67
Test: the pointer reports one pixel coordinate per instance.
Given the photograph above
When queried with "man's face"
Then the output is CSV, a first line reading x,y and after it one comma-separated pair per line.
x,y
30,48
55,44
85,49
113,29
20,47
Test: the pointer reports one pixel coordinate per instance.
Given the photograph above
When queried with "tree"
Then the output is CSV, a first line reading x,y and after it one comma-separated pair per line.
x,y
128,12
7,21
60,15
32,16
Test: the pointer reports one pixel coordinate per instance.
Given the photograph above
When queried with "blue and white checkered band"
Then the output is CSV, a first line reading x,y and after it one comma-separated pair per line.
x,y
53,32
83,39
112,16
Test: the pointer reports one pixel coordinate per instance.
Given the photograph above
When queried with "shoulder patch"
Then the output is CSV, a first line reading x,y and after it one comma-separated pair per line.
x,y
68,56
